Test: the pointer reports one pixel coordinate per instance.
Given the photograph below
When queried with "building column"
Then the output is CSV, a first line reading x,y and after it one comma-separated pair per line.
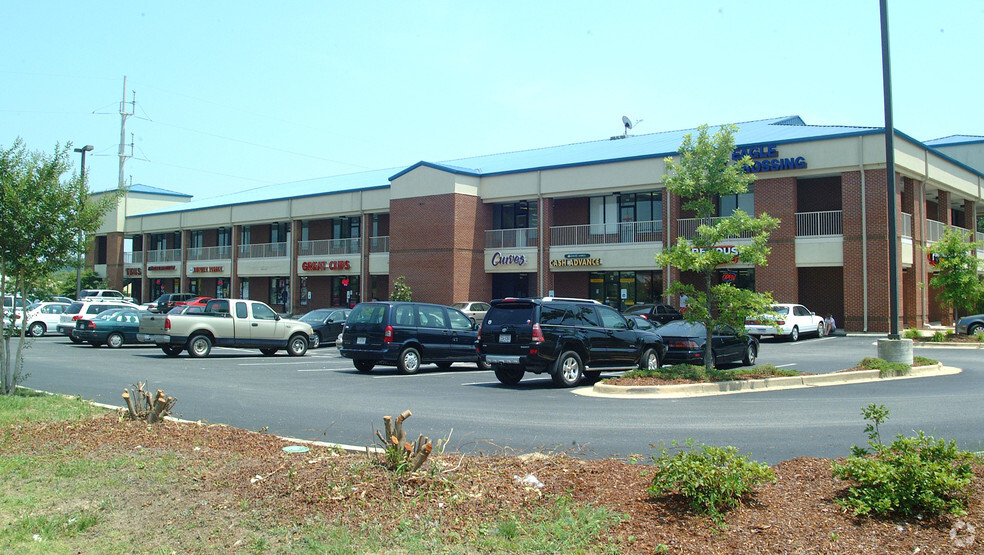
x,y
943,207
544,278
913,279
237,229
777,197
294,281
970,215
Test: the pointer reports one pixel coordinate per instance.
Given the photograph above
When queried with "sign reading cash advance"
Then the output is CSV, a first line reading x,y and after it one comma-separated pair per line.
x,y
765,158
574,260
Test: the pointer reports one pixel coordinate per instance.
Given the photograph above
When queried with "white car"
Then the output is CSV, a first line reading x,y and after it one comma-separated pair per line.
x,y
43,317
788,320
473,309
103,295
85,309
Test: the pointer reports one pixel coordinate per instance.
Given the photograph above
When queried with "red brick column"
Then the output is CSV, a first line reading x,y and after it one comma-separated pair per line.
x,y
544,275
943,207
914,278
970,214
777,197
675,203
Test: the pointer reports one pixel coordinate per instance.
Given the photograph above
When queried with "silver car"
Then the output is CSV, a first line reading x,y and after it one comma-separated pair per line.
x,y
473,309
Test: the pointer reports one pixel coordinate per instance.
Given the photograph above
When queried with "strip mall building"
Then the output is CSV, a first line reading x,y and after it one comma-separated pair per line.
x,y
581,220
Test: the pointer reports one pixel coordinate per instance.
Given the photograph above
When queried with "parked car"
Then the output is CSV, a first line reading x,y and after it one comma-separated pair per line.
x,y
472,309
970,325
654,312
85,309
44,316
407,335
573,340
167,301
788,320
685,344
327,323
227,323
103,295
112,328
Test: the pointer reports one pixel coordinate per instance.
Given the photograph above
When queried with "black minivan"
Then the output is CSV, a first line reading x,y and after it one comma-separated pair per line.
x,y
407,335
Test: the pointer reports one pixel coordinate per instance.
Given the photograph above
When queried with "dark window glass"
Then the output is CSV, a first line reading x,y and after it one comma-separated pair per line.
x,y
241,310
553,314
510,314
586,316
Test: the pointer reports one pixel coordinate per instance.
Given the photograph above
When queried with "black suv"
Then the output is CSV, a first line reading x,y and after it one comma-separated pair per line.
x,y
167,301
657,313
571,339
407,335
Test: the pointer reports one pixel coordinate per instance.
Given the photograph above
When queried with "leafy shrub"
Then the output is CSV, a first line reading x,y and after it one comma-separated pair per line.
x,y
712,479
911,333
884,367
938,337
923,361
979,335
700,374
913,475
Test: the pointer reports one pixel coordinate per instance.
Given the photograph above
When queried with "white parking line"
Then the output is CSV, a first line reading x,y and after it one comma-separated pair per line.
x,y
274,363
785,365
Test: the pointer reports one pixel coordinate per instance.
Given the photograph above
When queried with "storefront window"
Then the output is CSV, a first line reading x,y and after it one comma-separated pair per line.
x,y
624,289
741,278
727,204
279,291
516,215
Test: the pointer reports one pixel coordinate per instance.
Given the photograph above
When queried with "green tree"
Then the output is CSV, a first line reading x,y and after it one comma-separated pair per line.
x,y
41,219
706,171
401,291
956,271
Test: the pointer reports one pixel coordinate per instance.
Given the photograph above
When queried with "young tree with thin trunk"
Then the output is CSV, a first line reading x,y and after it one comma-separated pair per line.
x,y
705,171
41,220
957,264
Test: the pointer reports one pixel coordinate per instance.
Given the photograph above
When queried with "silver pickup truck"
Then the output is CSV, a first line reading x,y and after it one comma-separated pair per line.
x,y
225,323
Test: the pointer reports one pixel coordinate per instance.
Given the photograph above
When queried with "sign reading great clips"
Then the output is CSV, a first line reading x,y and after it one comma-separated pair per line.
x,y
765,158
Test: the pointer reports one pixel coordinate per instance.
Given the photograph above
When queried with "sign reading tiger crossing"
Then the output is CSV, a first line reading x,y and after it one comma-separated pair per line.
x,y
765,158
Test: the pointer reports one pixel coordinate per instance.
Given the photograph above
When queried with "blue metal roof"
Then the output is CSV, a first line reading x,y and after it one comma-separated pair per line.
x,y
956,140
147,189
788,129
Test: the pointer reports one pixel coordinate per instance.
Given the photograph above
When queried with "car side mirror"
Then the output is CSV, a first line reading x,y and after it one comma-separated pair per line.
x,y
631,324
276,317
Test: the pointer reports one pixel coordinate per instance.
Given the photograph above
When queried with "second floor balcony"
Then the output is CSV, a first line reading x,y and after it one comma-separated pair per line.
x,y
819,224
512,238
263,250
164,255
607,234
223,252
325,247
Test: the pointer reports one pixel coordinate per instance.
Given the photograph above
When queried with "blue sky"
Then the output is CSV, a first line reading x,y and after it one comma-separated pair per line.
x,y
236,95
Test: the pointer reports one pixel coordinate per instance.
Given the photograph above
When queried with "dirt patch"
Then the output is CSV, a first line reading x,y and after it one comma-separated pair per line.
x,y
233,473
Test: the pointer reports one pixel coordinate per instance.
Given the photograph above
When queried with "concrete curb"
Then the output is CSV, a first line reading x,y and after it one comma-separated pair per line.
x,y
746,386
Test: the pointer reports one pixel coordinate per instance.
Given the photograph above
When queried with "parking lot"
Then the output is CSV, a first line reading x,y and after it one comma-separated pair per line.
x,y
322,397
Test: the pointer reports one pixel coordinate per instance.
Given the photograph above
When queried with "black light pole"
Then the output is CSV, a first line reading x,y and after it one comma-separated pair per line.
x,y
78,269
893,278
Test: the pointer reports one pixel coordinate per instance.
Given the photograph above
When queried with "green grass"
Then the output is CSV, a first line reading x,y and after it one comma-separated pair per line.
x,y
700,374
30,406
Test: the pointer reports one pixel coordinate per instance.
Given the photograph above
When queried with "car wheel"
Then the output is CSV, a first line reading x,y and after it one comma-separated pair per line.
x,y
171,350
974,328
482,365
569,369
750,355
114,341
199,346
315,340
821,327
268,352
444,365
649,360
509,376
37,329
297,345
409,362
591,378
74,339
363,366
795,334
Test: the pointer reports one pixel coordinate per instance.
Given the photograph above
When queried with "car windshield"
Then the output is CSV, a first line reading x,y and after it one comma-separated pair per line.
x,y
780,310
106,314
315,316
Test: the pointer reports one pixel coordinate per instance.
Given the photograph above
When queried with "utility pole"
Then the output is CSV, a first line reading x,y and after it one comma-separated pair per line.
x,y
123,115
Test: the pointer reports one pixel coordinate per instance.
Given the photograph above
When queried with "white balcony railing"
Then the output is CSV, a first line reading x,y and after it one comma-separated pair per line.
x,y
223,252
166,255
511,238
379,244
134,257
934,230
819,224
324,247
905,224
263,250
607,234
687,227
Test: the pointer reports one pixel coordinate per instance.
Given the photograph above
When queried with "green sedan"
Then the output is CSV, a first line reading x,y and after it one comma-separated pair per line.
x,y
112,328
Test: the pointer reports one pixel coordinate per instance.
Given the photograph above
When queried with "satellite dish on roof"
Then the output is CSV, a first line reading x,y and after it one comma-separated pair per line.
x,y
627,122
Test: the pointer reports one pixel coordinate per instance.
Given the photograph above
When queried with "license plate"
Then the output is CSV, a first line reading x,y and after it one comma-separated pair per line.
x,y
360,340
505,338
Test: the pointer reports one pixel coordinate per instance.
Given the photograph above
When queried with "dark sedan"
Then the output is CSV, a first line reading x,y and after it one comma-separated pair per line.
x,y
658,313
327,323
112,328
685,344
970,325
